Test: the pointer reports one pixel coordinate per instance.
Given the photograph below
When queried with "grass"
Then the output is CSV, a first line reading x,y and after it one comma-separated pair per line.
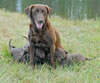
x,y
76,36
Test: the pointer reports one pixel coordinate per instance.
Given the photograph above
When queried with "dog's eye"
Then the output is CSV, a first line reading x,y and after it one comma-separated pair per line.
x,y
37,11
42,11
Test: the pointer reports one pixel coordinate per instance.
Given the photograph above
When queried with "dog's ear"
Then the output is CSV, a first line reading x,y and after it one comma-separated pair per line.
x,y
28,10
49,10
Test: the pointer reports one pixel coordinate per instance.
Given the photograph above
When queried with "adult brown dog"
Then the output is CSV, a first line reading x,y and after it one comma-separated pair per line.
x,y
41,31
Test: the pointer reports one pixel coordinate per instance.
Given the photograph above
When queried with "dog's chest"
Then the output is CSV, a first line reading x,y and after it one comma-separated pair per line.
x,y
43,38
36,38
39,38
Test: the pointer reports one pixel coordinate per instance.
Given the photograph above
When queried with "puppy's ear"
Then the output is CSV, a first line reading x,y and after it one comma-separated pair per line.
x,y
49,10
28,10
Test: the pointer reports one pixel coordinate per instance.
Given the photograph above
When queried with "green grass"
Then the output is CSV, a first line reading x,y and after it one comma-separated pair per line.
x,y
76,36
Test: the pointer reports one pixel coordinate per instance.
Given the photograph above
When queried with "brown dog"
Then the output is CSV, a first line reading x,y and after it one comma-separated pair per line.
x,y
41,31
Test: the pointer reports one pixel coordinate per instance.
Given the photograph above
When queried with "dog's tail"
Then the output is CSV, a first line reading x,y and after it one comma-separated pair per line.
x,y
10,46
25,37
89,59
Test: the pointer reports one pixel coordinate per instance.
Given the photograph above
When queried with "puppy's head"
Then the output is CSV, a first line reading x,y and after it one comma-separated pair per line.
x,y
38,14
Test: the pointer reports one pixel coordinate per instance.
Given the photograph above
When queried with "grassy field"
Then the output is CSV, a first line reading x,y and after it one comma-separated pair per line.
x,y
77,37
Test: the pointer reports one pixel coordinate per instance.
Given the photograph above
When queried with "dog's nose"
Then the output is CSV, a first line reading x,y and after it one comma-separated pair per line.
x,y
40,21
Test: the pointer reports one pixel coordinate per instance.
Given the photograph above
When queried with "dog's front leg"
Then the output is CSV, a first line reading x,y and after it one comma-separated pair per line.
x,y
52,55
32,54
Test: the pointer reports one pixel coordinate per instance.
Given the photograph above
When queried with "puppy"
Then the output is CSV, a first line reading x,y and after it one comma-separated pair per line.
x,y
22,54
41,48
78,58
68,59
62,58
19,54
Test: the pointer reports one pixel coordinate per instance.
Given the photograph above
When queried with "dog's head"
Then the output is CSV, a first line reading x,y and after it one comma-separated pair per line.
x,y
38,14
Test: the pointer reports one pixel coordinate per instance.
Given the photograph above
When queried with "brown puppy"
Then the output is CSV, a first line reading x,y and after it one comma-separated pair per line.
x,y
41,30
